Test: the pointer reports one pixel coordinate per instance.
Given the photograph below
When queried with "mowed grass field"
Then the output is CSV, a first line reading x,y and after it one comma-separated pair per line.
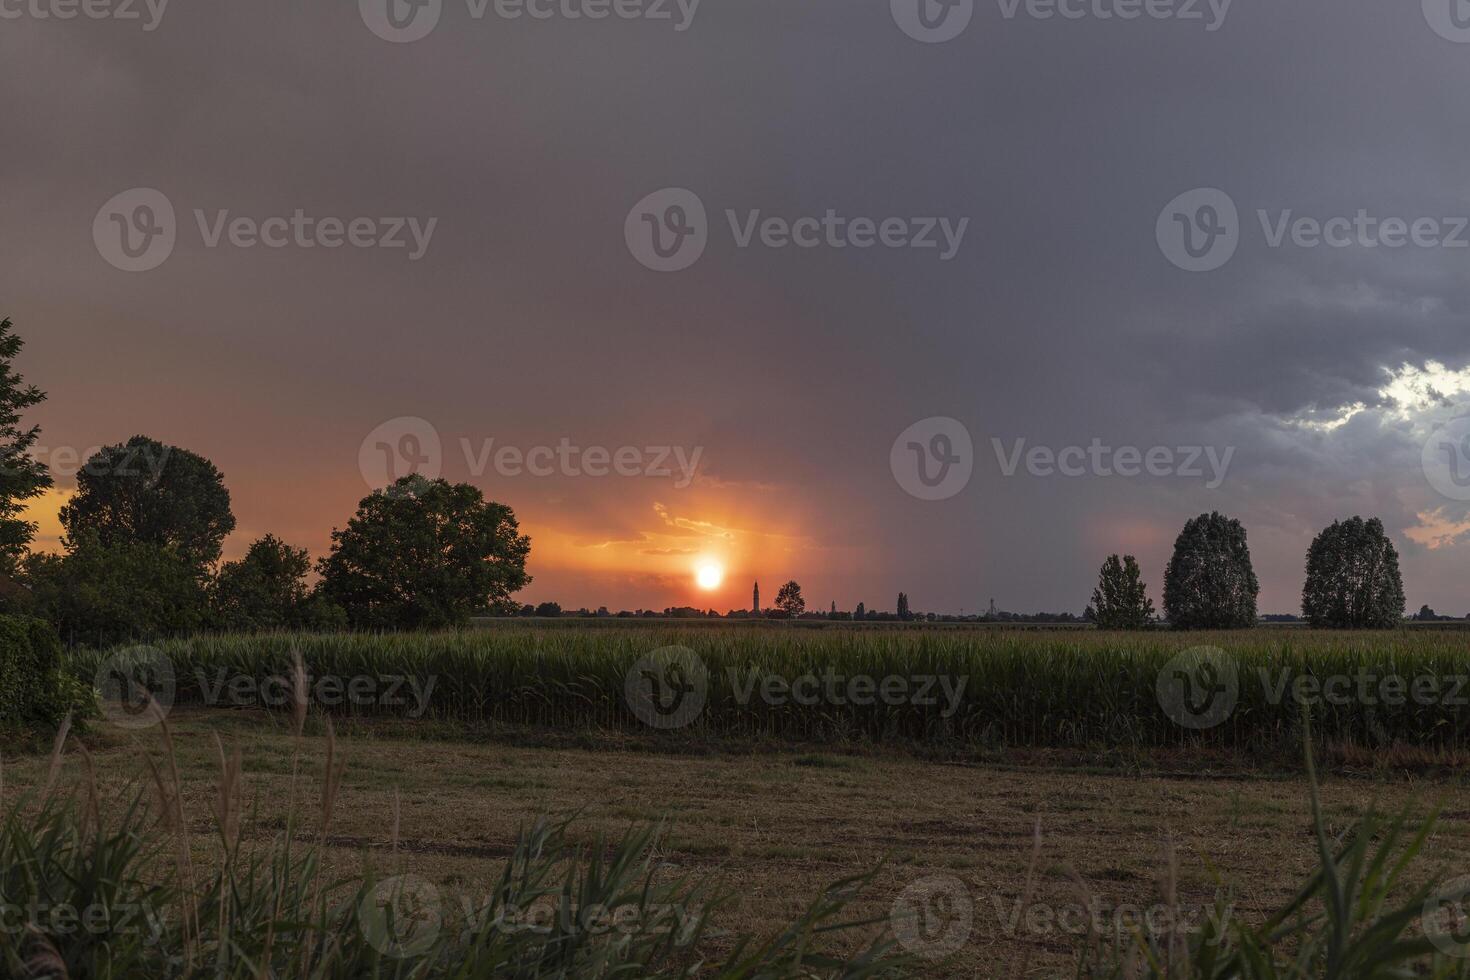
x,y
772,828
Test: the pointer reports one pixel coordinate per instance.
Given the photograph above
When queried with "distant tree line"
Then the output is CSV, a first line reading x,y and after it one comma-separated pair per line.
x,y
1352,581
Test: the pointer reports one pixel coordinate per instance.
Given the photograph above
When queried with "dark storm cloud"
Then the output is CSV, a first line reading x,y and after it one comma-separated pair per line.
x,y
1058,321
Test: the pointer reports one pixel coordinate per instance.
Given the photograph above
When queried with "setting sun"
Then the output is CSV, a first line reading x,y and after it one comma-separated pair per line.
x,y
709,575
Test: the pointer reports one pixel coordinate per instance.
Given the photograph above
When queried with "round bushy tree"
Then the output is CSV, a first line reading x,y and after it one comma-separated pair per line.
x,y
264,590
425,553
1209,583
1353,579
143,492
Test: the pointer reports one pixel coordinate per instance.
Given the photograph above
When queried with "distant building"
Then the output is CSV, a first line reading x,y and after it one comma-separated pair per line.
x,y
755,599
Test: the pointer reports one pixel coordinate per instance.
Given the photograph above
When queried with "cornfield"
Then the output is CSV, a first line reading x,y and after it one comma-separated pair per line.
x,y
975,687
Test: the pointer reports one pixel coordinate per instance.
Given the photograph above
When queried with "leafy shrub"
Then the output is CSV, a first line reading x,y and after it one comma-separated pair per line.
x,y
101,594
36,693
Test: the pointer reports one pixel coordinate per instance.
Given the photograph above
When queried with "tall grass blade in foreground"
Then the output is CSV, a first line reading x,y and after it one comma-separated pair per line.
x,y
1355,918
129,894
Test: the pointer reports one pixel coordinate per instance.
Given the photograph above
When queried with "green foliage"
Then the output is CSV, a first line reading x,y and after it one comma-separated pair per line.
x,y
147,493
1076,689
789,600
1353,579
267,590
36,693
1340,925
100,594
1209,583
425,553
260,904
21,477
1120,601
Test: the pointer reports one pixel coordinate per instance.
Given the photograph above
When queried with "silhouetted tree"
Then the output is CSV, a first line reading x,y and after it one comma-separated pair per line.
x,y
549,610
149,493
21,477
1426,614
1209,583
903,607
266,589
789,600
425,553
861,613
104,594
1120,601
1353,579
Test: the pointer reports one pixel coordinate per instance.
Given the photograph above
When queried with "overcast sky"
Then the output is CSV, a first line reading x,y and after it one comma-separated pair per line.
x,y
1054,163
